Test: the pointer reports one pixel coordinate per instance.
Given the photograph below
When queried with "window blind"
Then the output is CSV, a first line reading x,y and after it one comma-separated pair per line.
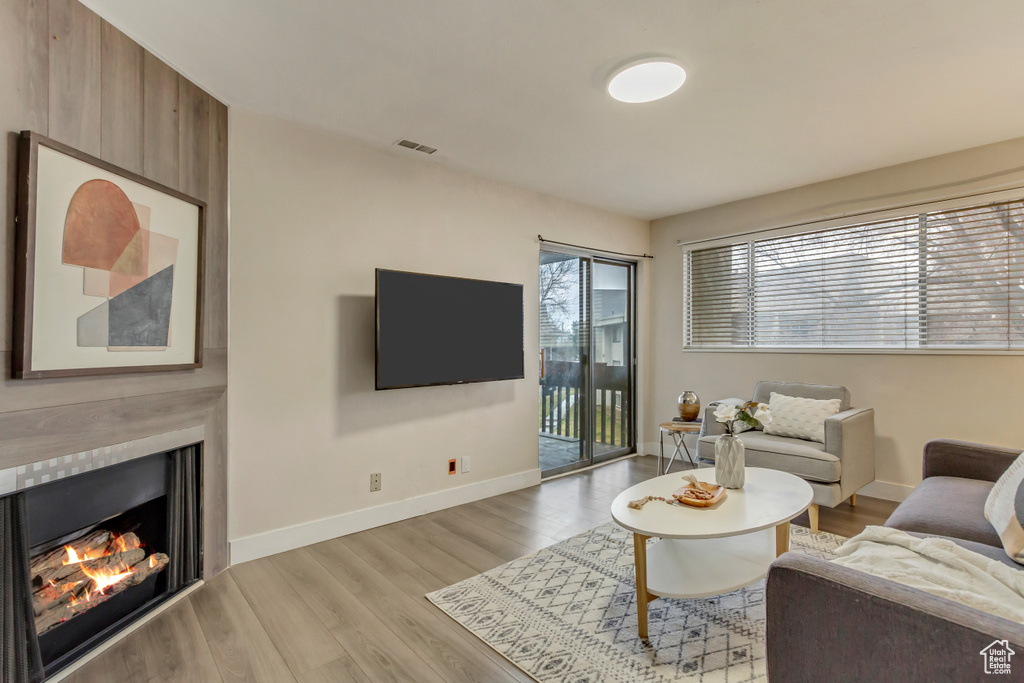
x,y
951,279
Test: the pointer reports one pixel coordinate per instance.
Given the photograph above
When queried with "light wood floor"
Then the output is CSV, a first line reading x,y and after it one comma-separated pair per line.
x,y
353,608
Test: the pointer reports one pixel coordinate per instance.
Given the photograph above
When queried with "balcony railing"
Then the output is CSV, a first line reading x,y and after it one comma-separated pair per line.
x,y
560,403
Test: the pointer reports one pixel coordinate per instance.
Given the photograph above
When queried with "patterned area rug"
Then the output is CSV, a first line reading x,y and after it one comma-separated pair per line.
x,y
567,614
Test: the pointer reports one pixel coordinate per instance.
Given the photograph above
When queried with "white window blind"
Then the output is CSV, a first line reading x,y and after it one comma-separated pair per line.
x,y
939,280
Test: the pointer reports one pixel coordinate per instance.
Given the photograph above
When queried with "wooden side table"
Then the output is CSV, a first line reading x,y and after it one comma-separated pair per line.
x,y
678,431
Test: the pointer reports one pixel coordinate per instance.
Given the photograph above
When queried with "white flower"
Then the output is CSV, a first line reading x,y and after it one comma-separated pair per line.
x,y
762,415
726,413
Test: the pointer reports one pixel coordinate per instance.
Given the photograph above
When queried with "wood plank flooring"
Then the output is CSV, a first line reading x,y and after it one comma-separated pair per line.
x,y
353,608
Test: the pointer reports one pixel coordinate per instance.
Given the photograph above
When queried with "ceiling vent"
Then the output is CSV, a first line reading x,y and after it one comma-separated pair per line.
x,y
416,146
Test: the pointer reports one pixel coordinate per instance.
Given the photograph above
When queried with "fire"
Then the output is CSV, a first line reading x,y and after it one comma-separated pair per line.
x,y
102,577
73,557
124,544
106,577
121,544
76,577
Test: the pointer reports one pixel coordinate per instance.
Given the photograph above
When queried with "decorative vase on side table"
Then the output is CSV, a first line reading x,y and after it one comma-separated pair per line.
x,y
730,462
689,406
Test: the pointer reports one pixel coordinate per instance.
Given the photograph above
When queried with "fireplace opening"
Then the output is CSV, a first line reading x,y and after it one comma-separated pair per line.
x,y
104,547
120,561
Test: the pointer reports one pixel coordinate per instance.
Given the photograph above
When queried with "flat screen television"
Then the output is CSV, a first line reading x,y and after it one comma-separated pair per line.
x,y
446,330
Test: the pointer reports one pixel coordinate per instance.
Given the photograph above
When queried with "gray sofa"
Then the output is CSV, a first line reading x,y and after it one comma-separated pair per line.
x,y
835,469
831,623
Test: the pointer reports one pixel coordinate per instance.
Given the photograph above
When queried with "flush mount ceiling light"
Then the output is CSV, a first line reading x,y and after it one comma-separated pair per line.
x,y
646,80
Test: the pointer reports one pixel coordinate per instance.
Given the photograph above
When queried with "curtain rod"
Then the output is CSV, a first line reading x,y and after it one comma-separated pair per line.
x,y
605,251
856,214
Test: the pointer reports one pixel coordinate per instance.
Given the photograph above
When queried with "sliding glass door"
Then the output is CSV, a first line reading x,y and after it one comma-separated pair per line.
x,y
586,384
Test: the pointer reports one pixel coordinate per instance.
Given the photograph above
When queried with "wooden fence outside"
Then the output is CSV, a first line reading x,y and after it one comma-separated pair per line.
x,y
560,402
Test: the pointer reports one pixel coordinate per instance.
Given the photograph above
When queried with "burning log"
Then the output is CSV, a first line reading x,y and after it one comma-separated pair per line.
x,y
93,557
53,596
69,582
55,617
90,545
69,571
138,573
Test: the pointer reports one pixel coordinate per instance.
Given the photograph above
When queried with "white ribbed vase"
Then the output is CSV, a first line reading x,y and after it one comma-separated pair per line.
x,y
730,459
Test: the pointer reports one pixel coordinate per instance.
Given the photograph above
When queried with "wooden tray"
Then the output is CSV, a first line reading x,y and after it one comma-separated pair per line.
x,y
717,490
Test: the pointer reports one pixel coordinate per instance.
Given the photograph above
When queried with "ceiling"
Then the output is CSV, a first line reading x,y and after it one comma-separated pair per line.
x,y
779,94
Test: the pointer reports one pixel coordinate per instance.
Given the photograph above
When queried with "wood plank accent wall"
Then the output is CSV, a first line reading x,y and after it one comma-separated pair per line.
x,y
68,74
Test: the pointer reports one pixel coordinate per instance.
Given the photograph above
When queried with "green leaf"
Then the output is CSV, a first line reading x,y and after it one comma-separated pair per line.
x,y
748,419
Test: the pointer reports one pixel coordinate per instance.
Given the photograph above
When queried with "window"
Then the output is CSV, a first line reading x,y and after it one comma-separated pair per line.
x,y
940,280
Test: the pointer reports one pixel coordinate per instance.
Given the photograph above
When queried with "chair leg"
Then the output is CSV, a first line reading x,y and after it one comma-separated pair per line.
x,y
812,512
853,500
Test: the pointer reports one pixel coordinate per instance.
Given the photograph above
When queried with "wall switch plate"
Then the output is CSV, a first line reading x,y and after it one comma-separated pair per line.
x,y
451,466
465,463
375,482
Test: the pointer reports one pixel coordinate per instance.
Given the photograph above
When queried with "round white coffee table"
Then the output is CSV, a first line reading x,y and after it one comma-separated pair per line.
x,y
708,551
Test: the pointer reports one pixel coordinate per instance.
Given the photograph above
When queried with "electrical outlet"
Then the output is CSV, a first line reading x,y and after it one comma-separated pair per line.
x,y
451,466
375,482
465,463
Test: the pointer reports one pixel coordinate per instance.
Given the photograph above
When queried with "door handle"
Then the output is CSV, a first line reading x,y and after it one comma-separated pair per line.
x,y
542,363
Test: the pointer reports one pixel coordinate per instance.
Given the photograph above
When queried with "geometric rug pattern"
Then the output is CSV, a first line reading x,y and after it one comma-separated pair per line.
x,y
567,613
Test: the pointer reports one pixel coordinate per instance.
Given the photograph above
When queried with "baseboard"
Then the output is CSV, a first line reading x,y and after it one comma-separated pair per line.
x,y
886,491
292,537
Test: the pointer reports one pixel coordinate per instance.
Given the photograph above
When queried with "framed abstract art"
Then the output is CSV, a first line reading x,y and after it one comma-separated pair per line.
x,y
108,268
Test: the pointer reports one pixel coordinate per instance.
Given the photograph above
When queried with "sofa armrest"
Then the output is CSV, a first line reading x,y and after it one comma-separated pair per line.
x,y
850,436
948,458
850,430
826,622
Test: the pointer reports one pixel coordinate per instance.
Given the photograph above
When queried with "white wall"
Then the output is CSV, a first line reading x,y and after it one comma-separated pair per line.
x,y
915,397
312,216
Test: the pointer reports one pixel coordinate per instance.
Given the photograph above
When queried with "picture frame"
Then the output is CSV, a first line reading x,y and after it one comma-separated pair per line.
x,y
108,268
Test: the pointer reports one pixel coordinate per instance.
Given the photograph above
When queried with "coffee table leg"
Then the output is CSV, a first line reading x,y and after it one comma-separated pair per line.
x,y
661,450
640,560
781,538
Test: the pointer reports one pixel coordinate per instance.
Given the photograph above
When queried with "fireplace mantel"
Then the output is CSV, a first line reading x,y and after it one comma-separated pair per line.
x,y
26,476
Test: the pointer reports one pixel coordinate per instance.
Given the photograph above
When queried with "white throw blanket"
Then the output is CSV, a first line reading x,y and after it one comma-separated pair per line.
x,y
937,566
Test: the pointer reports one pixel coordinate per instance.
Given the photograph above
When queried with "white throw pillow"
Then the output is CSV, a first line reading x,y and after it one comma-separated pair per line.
x,y
1004,509
800,418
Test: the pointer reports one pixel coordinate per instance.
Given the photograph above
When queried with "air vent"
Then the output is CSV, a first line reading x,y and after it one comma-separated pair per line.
x,y
416,146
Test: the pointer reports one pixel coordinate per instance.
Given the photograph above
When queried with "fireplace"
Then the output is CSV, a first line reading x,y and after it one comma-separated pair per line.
x,y
92,552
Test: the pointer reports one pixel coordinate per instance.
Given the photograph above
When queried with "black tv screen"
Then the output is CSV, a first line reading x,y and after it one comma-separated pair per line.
x,y
446,330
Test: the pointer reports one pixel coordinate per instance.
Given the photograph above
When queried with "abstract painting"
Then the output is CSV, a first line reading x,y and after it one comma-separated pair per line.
x,y
108,269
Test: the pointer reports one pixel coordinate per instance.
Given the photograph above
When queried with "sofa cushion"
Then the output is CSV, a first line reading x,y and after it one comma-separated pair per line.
x,y
947,506
806,459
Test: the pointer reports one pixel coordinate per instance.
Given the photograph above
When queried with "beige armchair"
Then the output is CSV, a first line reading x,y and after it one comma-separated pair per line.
x,y
836,469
